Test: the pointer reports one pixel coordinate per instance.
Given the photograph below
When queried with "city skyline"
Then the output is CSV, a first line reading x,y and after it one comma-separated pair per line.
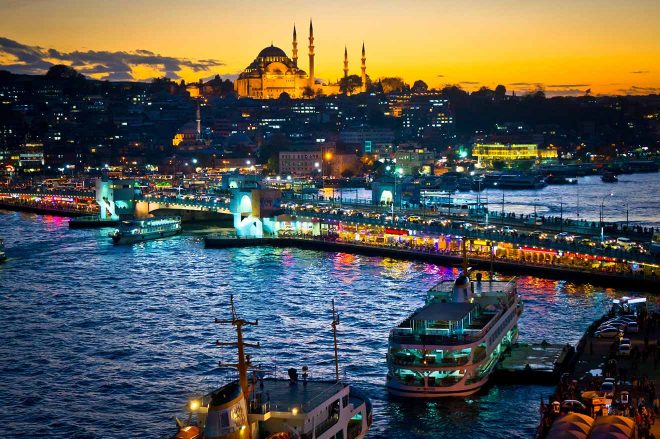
x,y
565,49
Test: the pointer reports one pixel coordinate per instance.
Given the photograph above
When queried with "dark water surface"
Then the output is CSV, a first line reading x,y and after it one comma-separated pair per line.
x,y
110,341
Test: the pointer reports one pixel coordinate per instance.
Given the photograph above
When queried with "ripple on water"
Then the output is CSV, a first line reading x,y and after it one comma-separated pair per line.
x,y
97,337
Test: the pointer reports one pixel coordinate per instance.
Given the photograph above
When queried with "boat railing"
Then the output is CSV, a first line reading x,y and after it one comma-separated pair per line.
x,y
407,336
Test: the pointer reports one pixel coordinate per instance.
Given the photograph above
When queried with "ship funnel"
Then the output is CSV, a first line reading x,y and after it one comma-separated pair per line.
x,y
227,413
462,289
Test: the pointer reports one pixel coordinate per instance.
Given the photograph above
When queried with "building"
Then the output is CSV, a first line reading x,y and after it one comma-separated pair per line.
x,y
301,163
273,73
377,141
414,160
487,153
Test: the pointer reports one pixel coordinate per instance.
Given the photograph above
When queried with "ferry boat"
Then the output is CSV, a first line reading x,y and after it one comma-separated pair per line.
x,y
256,406
3,256
512,181
145,229
450,346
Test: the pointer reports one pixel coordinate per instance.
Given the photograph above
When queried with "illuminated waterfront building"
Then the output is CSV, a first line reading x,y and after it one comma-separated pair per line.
x,y
487,153
273,73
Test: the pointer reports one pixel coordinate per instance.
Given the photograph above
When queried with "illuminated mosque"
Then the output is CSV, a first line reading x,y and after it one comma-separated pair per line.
x,y
272,73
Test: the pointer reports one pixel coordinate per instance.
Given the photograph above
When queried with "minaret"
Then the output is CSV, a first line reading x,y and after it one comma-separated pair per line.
x,y
364,69
345,63
311,55
294,52
199,122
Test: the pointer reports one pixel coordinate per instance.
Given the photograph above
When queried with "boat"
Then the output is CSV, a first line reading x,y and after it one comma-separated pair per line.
x,y
258,406
559,179
512,181
609,177
3,256
129,232
449,346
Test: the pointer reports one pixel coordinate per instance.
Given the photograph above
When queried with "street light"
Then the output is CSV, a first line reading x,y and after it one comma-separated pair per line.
x,y
602,217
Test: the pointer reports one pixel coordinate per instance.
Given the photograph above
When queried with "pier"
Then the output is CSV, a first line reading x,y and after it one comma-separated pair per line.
x,y
634,376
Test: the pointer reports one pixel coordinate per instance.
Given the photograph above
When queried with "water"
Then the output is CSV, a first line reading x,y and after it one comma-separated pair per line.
x,y
110,341
636,193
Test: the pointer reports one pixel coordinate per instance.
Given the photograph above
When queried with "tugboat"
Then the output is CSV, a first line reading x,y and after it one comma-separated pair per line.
x,y
255,406
145,229
3,256
450,346
609,177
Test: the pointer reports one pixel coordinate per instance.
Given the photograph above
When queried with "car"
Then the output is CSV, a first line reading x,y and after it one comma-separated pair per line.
x,y
624,341
608,333
624,350
608,387
573,405
414,219
632,327
508,230
614,324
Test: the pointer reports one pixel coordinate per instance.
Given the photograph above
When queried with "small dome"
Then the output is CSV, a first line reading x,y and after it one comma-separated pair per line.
x,y
271,51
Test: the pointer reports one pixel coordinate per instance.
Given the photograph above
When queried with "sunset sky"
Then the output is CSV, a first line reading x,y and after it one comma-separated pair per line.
x,y
610,47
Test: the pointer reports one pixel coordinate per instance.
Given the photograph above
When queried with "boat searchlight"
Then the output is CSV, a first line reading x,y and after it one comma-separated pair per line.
x,y
194,405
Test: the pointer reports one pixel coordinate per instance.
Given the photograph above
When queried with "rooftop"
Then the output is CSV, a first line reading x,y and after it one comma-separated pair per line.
x,y
440,311
284,395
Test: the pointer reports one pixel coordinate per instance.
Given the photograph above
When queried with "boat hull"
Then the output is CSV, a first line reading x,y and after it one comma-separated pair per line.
x,y
120,239
397,389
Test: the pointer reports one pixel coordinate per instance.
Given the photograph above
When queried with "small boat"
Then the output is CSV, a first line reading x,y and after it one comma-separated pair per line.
x,y
257,406
450,346
3,256
553,179
129,232
609,177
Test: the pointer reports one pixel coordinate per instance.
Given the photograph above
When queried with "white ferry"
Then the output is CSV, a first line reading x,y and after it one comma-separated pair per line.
x,y
3,256
255,406
450,346
145,229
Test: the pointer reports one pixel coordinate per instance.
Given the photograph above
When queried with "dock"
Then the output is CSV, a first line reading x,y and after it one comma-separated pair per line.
x,y
533,363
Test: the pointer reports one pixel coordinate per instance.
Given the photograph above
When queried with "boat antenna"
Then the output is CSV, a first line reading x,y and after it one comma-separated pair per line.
x,y
335,322
465,257
243,359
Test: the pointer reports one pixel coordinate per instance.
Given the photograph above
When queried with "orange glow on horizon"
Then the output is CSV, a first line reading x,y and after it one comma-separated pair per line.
x,y
566,47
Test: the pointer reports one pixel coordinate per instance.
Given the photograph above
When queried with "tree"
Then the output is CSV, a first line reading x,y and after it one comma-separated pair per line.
x,y
500,92
308,92
60,71
350,83
391,85
419,86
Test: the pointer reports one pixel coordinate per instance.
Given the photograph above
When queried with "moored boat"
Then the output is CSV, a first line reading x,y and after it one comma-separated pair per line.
x,y
258,406
609,177
450,346
129,232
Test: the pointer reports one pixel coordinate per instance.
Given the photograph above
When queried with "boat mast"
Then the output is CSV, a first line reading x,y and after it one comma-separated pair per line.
x,y
335,322
243,360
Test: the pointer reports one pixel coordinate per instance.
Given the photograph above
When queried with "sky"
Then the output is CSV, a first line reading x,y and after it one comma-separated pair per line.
x,y
563,46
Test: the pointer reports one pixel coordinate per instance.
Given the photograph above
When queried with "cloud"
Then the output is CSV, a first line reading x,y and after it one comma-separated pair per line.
x,y
526,84
440,76
468,82
115,66
640,72
567,85
635,90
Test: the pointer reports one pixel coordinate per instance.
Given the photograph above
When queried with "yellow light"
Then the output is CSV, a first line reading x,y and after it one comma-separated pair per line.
x,y
328,156
194,405
294,411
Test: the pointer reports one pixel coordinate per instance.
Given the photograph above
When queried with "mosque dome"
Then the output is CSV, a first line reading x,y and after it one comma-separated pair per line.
x,y
271,51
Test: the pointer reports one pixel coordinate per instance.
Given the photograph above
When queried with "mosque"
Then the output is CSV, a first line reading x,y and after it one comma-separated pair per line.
x,y
272,73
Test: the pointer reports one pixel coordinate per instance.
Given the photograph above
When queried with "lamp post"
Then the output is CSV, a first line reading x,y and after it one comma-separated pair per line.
x,y
602,217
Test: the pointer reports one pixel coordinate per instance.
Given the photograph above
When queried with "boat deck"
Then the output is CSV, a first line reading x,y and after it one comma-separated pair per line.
x,y
283,396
